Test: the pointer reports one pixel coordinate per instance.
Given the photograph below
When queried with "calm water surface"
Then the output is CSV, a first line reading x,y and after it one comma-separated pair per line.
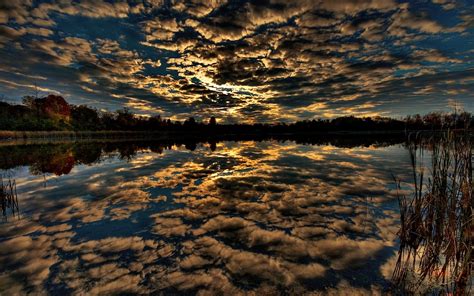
x,y
230,218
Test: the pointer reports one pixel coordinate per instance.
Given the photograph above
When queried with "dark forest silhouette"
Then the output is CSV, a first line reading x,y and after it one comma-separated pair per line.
x,y
53,113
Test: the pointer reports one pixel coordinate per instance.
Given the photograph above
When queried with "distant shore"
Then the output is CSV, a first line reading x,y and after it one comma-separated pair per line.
x,y
8,138
18,135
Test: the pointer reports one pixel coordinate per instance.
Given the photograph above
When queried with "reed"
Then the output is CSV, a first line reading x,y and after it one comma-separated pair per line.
x,y
436,233
8,197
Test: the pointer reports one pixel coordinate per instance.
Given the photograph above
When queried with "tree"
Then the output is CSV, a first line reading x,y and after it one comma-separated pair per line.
x,y
55,107
125,119
85,118
108,120
28,101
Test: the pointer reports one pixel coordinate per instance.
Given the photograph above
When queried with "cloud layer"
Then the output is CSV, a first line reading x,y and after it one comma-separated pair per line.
x,y
242,60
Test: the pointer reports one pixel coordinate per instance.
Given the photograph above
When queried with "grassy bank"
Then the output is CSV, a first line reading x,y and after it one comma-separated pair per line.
x,y
15,135
114,134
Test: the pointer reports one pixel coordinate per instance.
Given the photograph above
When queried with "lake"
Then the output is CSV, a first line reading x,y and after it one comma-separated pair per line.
x,y
247,217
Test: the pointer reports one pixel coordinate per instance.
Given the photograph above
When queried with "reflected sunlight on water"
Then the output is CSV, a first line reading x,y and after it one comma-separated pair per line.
x,y
248,218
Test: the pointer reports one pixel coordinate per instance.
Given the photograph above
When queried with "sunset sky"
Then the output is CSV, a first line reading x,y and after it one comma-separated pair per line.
x,y
247,61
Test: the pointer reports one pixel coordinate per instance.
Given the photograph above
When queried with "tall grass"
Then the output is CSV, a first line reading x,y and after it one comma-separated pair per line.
x,y
8,197
436,232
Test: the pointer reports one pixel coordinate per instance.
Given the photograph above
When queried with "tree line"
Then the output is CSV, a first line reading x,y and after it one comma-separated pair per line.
x,y
53,113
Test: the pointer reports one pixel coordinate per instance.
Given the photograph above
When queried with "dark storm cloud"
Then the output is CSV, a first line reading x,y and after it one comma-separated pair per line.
x,y
254,60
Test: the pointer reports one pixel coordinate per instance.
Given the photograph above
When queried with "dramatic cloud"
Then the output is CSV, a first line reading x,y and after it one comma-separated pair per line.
x,y
241,60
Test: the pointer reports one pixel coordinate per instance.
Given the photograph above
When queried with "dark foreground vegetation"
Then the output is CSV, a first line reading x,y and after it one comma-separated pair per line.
x,y
53,113
8,198
437,230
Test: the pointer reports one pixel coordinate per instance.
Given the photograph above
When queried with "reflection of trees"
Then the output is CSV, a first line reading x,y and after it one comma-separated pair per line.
x,y
212,145
60,158
436,223
127,150
87,153
58,161
190,146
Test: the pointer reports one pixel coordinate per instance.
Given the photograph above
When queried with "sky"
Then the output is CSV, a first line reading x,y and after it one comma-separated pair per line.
x,y
242,61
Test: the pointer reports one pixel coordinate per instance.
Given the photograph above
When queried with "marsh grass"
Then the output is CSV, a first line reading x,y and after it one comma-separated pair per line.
x,y
436,232
8,197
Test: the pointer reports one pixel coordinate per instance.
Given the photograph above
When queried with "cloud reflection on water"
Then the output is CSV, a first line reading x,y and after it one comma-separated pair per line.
x,y
249,218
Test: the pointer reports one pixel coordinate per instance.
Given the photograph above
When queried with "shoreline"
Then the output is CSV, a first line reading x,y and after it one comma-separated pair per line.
x,y
15,136
11,138
6,135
